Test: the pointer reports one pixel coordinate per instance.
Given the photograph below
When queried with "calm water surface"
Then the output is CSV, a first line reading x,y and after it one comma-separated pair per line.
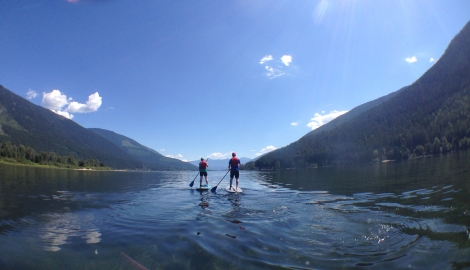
x,y
407,215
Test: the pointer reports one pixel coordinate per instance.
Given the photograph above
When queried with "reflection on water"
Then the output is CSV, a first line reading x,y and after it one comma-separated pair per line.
x,y
62,227
414,214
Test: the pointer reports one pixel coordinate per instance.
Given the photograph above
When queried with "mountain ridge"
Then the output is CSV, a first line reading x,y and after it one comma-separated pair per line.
x,y
27,124
430,116
150,158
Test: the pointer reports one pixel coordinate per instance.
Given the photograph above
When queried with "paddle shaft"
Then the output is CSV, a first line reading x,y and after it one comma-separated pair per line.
x,y
214,188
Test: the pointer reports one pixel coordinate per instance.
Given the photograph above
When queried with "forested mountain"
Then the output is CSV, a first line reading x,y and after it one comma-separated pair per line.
x,y
24,123
338,121
430,116
150,158
29,128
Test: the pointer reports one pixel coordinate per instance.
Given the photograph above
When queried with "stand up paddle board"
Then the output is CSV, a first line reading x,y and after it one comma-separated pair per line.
x,y
203,188
232,190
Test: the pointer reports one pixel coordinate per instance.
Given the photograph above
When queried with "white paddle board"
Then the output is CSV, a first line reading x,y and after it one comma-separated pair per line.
x,y
232,190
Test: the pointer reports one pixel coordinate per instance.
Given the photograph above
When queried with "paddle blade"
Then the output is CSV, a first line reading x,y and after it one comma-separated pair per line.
x,y
191,184
213,189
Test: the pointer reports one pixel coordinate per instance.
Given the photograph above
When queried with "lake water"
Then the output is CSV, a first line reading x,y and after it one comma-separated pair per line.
x,y
407,215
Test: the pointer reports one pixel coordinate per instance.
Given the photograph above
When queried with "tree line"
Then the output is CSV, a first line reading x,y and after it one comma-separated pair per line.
x,y
28,155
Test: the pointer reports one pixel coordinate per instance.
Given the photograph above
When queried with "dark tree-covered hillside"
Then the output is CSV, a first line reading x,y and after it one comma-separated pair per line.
x,y
24,123
431,116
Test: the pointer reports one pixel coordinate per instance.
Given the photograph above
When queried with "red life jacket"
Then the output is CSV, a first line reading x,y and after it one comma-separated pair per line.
x,y
234,162
203,165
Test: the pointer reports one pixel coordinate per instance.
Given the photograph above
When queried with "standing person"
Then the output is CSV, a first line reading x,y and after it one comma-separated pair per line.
x,y
203,172
233,164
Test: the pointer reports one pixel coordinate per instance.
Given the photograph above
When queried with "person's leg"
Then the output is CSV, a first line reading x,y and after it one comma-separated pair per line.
x,y
200,179
207,179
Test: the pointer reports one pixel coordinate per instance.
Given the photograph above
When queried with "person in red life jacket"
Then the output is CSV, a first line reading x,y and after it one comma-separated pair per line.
x,y
233,164
203,172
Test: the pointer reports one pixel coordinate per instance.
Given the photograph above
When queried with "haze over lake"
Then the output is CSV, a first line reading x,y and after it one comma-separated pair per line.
x,y
413,214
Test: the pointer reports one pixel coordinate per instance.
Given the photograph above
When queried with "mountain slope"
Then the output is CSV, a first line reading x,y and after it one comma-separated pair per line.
x,y
338,121
150,158
428,117
22,122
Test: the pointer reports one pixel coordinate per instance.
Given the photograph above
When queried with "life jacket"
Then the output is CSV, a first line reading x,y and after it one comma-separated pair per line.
x,y
234,162
203,165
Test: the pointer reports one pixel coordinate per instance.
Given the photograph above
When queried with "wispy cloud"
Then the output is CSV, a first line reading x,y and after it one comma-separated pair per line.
x,y
275,70
432,60
56,101
31,94
273,73
265,150
319,120
294,124
266,59
411,59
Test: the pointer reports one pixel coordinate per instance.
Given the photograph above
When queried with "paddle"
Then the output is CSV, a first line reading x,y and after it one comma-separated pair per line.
x,y
215,188
192,183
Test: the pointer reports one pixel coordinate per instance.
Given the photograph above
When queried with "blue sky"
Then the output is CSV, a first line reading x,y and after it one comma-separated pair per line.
x,y
195,79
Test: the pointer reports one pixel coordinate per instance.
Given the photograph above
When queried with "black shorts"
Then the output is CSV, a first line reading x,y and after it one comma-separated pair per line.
x,y
234,173
203,173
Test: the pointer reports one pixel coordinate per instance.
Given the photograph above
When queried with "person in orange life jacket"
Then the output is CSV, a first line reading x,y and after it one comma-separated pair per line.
x,y
233,168
203,172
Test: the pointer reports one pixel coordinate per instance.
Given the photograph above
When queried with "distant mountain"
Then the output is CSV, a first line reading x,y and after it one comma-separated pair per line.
x,y
150,158
219,164
22,122
431,116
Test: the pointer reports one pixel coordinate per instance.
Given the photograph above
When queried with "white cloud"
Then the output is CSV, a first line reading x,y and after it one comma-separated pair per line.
x,y
31,94
265,150
266,59
273,73
278,71
64,114
179,156
286,59
56,101
432,60
92,104
161,150
411,59
294,124
319,120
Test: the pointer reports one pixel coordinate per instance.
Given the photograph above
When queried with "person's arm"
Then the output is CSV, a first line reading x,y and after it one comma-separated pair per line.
x,y
229,165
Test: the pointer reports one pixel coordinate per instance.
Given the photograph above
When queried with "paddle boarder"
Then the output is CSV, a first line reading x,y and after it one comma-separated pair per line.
x,y
203,172
233,164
